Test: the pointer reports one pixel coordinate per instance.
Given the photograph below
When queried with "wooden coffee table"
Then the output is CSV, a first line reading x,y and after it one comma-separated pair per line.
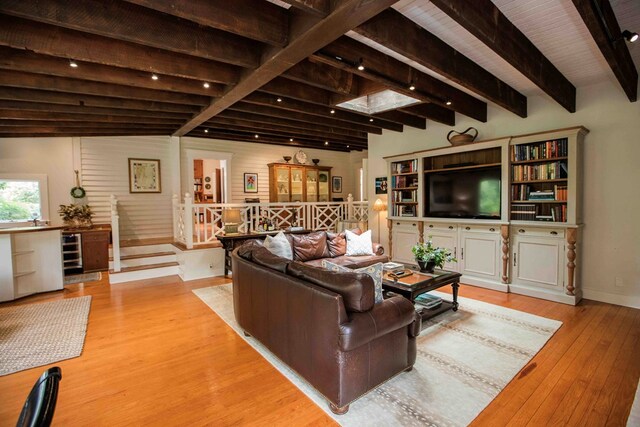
x,y
419,283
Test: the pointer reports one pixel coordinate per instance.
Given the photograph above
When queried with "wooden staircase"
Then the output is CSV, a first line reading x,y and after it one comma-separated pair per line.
x,y
142,259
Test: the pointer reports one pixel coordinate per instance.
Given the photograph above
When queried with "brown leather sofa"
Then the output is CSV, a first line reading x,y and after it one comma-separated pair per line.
x,y
323,324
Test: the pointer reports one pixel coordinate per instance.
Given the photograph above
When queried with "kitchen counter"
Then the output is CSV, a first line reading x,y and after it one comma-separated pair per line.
x,y
29,229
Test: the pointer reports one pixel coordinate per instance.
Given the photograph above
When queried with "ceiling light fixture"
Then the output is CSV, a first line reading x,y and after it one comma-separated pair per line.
x,y
332,111
347,146
73,64
448,102
412,86
206,85
370,120
631,37
154,77
326,143
206,131
361,65
279,99
256,135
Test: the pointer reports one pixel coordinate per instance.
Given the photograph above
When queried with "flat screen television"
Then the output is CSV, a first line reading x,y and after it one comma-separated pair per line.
x,y
464,194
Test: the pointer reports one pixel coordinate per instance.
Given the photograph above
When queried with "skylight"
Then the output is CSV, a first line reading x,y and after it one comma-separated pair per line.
x,y
379,102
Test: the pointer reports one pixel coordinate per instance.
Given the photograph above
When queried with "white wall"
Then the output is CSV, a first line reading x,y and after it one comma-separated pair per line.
x,y
254,158
611,199
50,156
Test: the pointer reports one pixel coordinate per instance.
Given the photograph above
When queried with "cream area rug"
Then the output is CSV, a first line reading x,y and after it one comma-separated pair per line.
x,y
39,334
465,359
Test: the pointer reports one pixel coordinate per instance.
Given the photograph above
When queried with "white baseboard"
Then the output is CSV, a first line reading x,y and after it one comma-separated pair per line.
x,y
484,283
617,299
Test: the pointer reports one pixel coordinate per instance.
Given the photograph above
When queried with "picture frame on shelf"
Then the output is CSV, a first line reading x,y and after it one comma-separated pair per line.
x,y
381,185
144,176
336,184
250,182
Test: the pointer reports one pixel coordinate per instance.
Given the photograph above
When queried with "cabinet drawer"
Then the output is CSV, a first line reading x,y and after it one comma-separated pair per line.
x,y
428,226
478,228
405,225
538,232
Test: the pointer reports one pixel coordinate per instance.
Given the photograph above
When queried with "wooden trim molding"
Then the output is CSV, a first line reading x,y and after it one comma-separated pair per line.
x,y
504,232
390,226
572,234
421,231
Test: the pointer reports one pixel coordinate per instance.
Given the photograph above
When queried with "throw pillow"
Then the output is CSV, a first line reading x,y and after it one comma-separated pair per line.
x,y
279,245
374,271
359,245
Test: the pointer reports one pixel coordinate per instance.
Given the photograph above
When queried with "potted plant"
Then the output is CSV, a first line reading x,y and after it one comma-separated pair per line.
x,y
76,215
428,256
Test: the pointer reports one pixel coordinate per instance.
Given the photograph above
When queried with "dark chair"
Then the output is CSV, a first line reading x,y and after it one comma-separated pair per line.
x,y
41,402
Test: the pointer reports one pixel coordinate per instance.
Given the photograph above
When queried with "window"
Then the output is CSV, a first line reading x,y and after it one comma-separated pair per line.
x,y
23,198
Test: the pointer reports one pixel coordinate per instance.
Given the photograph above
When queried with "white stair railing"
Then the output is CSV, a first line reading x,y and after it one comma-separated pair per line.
x,y
115,233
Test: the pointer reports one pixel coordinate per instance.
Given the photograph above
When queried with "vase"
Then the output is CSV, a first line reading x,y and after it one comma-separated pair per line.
x,y
426,266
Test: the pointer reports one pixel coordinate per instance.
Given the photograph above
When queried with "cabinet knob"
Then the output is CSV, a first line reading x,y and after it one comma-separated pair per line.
x,y
430,225
397,223
467,228
554,233
413,224
492,229
521,230
451,227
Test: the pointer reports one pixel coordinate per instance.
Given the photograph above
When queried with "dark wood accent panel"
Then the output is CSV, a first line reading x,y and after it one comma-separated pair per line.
x,y
420,45
485,21
95,250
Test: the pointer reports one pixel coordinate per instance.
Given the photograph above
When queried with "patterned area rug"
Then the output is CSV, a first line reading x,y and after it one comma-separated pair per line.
x,y
84,277
39,334
465,359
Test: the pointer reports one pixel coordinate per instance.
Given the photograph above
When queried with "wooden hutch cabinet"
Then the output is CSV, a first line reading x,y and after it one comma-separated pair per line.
x,y
299,183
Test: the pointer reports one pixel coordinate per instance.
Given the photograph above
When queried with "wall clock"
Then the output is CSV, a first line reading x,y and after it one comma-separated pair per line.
x,y
301,157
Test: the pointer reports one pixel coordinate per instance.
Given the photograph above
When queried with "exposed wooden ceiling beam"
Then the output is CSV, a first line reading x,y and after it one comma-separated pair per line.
x,y
615,52
398,33
21,60
44,115
302,92
91,124
289,132
324,77
61,84
404,118
433,112
89,132
56,129
327,130
394,73
248,137
485,21
319,8
303,117
127,22
307,35
365,87
258,20
56,41
289,104
19,94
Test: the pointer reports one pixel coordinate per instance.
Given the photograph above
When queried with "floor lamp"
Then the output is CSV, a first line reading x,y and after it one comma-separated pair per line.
x,y
379,206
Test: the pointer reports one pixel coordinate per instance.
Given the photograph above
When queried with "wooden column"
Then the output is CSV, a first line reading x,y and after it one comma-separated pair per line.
x,y
421,231
571,256
504,232
390,226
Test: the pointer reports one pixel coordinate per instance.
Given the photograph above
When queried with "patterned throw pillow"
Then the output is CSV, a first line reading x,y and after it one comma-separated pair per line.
x,y
374,271
359,245
279,245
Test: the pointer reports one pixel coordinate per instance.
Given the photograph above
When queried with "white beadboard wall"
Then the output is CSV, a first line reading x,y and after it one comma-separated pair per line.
x,y
254,158
105,172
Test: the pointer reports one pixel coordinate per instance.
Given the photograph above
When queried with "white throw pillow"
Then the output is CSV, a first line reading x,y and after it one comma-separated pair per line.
x,y
279,245
359,245
374,271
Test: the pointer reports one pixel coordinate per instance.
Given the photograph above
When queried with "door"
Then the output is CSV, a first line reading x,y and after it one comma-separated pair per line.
x,y
404,235
282,184
311,180
538,261
324,180
297,184
479,253
444,236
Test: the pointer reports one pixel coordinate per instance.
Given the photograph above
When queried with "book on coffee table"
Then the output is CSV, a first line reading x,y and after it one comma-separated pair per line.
x,y
427,300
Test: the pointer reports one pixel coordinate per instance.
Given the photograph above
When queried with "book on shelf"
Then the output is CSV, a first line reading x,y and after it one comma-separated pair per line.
x,y
407,166
404,210
524,212
540,150
537,172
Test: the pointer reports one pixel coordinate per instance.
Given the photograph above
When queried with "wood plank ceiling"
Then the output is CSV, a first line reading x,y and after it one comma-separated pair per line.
x,y
253,70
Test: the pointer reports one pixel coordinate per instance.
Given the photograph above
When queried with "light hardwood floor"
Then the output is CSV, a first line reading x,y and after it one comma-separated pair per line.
x,y
156,355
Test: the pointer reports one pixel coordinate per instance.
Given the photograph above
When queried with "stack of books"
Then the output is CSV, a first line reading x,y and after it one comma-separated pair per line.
x,y
542,195
428,301
393,267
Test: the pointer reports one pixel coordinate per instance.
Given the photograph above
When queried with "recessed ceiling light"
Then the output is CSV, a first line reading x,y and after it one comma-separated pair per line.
x,y
631,37
412,86
206,131
256,135
279,99
291,139
73,64
347,146
370,120
326,143
154,77
206,85
332,111
339,58
361,65
449,103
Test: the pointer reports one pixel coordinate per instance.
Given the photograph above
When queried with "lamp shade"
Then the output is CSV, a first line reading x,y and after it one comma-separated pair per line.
x,y
231,216
379,205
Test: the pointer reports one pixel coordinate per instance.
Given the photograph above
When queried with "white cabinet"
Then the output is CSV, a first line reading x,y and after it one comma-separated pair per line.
x,y
480,251
404,235
444,236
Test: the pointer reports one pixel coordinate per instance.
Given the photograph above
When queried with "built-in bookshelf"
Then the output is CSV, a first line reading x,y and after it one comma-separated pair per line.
x,y
404,188
539,181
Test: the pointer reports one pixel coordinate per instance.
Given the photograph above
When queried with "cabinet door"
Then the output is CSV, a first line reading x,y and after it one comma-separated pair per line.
x,y
404,236
95,251
538,261
282,183
297,184
480,254
311,179
444,236
324,178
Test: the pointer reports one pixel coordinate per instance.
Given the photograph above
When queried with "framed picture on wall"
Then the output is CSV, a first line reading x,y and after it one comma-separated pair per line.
x,y
381,185
250,182
144,176
336,184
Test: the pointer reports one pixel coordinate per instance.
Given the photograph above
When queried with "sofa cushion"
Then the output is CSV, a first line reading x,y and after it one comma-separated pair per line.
x,y
337,242
246,249
310,246
279,245
374,271
357,289
359,245
264,257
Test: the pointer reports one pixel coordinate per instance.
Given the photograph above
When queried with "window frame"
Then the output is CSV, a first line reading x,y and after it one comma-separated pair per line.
x,y
43,187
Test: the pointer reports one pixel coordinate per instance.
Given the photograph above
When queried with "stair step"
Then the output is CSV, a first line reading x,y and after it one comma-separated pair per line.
x,y
145,267
147,255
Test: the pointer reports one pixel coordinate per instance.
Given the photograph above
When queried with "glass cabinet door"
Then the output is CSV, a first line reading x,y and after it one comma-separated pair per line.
x,y
312,185
282,184
297,182
323,186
